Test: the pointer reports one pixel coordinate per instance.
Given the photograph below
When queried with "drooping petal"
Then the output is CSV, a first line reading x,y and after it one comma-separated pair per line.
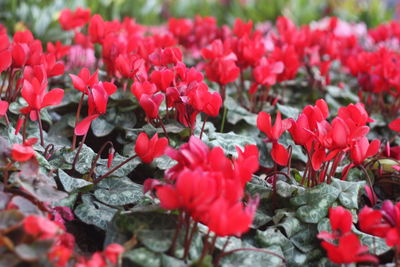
x,y
83,126
395,125
53,98
279,154
3,107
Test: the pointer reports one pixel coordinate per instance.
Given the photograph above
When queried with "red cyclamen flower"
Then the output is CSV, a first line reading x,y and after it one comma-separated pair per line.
x,y
149,149
25,151
72,19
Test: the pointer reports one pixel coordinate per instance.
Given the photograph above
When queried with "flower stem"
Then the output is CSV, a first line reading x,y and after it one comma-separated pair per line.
x,y
254,250
77,118
91,171
189,241
40,128
163,127
79,151
187,226
205,248
202,127
48,151
178,229
114,169
223,119
24,128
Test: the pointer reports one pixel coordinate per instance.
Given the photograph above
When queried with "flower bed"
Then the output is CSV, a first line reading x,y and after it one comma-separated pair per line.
x,y
196,144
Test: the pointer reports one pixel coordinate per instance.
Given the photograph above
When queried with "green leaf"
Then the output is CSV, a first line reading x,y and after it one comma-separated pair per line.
x,y
85,158
291,225
140,220
229,141
122,171
71,184
288,111
253,258
33,251
237,112
94,212
338,92
315,202
167,261
350,192
101,127
164,162
143,257
40,186
69,201
156,240
376,245
287,190
9,218
118,191
9,259
273,237
259,187
174,126
305,240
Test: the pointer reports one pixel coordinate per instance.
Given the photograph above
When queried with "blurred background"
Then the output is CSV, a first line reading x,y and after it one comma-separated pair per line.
x,y
40,16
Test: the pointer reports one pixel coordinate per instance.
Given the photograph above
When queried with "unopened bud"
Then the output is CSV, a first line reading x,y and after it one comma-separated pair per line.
x,y
111,152
20,121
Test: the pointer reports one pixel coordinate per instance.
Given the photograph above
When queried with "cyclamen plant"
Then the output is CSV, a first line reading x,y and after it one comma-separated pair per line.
x,y
207,184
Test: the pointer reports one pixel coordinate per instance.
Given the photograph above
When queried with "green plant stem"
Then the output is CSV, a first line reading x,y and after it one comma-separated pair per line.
x,y
223,119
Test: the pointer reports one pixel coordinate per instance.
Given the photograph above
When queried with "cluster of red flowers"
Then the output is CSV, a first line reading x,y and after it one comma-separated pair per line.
x,y
324,142
62,249
28,69
151,64
384,223
348,248
376,71
209,187
97,92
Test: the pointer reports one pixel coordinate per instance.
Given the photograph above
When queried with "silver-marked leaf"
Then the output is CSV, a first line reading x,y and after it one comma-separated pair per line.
x,y
164,162
315,202
288,112
237,113
156,240
350,192
70,183
94,212
118,191
286,190
122,171
100,127
376,245
84,161
143,257
229,141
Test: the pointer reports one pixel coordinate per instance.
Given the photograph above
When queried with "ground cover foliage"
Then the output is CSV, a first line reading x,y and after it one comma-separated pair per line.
x,y
197,144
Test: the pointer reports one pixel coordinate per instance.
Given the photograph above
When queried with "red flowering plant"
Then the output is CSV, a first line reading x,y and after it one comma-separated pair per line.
x,y
221,192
